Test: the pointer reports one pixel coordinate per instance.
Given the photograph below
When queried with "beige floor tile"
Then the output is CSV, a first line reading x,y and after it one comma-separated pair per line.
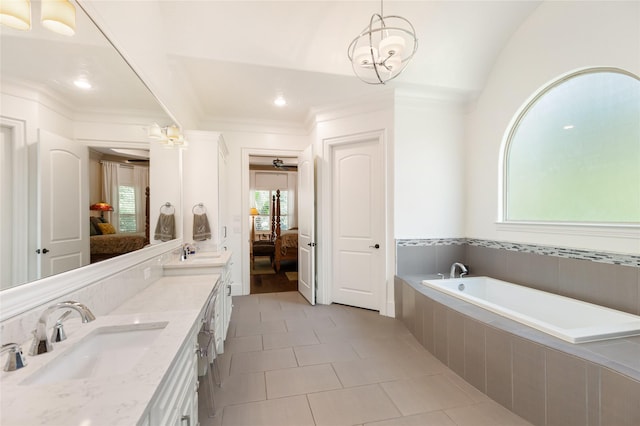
x,y
240,388
245,314
384,346
324,353
472,392
425,393
301,380
241,301
292,411
249,362
289,314
252,329
289,339
434,418
317,323
367,371
485,414
243,344
351,406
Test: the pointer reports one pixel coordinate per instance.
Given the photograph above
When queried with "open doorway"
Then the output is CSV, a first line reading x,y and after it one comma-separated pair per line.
x,y
273,263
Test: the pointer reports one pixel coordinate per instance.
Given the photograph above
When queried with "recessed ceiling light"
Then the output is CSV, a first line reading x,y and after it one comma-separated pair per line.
x,y
82,84
280,101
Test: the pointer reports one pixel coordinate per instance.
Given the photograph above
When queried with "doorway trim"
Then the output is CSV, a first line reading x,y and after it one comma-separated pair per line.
x,y
244,205
326,229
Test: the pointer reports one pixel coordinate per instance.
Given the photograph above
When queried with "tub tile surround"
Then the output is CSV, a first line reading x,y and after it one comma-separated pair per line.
x,y
607,279
543,379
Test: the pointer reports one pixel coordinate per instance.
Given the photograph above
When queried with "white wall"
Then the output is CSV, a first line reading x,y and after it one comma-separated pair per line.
x,y
429,169
377,116
557,38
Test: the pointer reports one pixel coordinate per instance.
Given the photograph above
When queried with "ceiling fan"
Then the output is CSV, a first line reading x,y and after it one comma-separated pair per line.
x,y
279,164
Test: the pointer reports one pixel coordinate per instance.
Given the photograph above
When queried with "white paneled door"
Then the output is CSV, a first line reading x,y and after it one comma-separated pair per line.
x,y
306,225
357,222
63,238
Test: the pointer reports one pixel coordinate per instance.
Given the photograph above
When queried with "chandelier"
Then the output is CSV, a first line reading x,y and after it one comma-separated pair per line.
x,y
383,49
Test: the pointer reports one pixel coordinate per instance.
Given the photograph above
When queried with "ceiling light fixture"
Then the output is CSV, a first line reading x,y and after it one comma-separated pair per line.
x,y
168,135
16,14
82,83
59,16
383,49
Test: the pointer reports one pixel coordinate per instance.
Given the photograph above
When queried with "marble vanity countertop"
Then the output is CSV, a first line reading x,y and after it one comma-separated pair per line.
x,y
118,399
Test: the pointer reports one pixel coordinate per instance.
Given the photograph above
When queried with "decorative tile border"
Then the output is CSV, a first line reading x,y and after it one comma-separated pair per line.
x,y
594,256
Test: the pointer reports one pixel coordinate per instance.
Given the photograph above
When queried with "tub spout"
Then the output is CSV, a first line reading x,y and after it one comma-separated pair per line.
x,y
463,270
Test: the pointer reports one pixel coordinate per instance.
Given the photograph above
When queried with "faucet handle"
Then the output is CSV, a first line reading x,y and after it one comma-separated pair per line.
x,y
58,334
16,358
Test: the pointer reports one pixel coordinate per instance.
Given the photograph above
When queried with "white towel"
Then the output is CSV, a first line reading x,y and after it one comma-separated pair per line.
x,y
201,229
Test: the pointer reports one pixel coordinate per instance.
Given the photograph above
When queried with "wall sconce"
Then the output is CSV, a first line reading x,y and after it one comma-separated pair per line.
x,y
101,207
168,135
56,15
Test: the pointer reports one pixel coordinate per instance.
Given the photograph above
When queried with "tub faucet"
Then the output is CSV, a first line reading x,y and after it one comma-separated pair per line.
x,y
463,270
41,343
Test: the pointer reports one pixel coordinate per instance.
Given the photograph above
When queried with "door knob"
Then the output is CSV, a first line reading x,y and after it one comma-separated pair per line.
x,y
44,251
377,246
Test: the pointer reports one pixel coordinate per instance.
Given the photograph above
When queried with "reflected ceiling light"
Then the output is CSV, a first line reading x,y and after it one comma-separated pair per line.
x,y
59,16
383,49
168,135
280,101
16,14
568,127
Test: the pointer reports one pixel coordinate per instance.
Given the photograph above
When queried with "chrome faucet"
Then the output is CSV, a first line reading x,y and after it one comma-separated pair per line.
x,y
41,343
463,270
185,252
16,359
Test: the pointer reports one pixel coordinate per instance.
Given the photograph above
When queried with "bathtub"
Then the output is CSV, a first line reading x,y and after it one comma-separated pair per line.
x,y
568,319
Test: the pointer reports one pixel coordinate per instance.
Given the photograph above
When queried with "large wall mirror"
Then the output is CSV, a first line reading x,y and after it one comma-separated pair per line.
x,y
69,104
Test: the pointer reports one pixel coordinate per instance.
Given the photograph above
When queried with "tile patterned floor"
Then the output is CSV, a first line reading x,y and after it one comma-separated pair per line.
x,y
288,363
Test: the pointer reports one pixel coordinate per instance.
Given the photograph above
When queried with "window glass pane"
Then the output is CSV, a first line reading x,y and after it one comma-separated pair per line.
x,y
263,201
127,208
574,155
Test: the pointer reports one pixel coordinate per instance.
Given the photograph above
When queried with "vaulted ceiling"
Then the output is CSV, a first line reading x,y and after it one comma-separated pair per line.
x,y
234,57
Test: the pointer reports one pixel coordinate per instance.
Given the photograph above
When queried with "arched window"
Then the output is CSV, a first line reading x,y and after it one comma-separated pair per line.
x,y
573,153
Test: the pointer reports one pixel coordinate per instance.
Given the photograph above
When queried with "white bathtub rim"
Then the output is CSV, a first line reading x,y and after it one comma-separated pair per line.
x,y
575,336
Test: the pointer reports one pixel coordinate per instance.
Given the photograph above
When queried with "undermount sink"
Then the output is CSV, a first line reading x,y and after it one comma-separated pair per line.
x,y
107,351
208,254
208,260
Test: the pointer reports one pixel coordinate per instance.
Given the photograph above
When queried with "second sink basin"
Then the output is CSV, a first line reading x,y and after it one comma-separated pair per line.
x,y
107,351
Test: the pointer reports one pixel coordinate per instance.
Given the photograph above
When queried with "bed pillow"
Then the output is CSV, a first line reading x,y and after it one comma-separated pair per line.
x,y
106,228
92,229
95,221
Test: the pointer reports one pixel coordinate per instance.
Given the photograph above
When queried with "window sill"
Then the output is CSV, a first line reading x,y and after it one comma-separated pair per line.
x,y
596,230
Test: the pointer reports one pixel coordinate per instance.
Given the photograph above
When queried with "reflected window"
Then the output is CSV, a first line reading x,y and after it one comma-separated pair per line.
x,y
573,154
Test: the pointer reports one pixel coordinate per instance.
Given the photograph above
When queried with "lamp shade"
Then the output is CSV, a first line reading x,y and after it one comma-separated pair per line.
x,y
254,212
101,206
16,14
59,16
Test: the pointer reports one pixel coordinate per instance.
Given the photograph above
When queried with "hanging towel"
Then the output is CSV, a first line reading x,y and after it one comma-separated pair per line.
x,y
201,229
166,227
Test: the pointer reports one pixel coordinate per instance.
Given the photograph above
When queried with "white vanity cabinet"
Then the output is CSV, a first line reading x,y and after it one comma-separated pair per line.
x,y
200,264
176,400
